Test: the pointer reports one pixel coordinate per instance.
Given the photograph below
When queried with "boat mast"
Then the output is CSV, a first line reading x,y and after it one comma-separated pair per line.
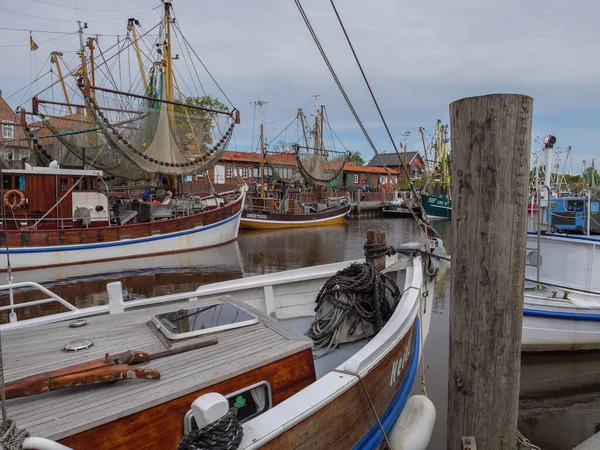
x,y
54,58
301,116
316,123
82,54
131,27
322,148
260,103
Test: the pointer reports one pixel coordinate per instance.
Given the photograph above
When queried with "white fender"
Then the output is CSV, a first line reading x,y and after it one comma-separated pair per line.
x,y
42,444
412,430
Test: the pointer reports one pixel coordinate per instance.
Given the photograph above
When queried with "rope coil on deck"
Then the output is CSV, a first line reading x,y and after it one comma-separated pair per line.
x,y
223,434
360,289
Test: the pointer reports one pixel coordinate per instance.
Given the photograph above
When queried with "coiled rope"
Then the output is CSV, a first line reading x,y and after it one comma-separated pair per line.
x,y
223,434
358,294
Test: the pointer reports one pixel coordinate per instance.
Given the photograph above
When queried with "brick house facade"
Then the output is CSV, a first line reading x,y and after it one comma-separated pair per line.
x,y
14,148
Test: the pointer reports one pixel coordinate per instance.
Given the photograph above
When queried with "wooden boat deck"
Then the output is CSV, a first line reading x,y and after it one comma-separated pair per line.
x,y
55,415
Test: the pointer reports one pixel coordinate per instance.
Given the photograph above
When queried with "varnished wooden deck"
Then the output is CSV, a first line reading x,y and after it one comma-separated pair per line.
x,y
56,415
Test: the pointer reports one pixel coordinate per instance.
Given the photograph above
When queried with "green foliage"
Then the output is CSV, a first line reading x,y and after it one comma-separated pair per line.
x,y
201,121
591,176
357,159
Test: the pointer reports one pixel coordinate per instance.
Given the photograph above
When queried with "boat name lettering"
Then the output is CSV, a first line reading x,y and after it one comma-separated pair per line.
x,y
400,364
256,216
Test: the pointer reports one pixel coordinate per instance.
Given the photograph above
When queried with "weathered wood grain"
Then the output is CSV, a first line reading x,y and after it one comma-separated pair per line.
x,y
491,138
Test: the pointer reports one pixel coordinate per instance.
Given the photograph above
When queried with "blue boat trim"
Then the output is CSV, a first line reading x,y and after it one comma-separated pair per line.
x,y
373,437
566,236
560,315
118,243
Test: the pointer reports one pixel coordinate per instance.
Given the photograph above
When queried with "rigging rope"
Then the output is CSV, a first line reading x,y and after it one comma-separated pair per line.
x,y
223,434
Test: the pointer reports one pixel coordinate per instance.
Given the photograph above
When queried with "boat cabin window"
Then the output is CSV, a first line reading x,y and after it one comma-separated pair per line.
x,y
575,205
14,182
595,207
64,185
78,186
84,184
207,319
250,402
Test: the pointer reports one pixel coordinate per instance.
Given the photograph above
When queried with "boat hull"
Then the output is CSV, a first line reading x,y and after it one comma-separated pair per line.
x,y
437,207
79,246
260,221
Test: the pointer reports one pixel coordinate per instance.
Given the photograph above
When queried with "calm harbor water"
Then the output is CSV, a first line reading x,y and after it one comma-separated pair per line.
x,y
558,404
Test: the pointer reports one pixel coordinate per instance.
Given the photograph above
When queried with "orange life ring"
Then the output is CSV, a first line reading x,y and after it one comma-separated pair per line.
x,y
276,205
10,199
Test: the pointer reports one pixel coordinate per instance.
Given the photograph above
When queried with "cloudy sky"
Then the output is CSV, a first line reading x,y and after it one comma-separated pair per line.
x,y
419,57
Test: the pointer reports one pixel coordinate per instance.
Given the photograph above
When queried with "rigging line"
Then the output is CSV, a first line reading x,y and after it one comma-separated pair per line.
x,y
37,78
27,85
337,81
110,58
334,133
406,172
29,30
89,9
285,129
188,66
37,17
253,128
425,223
203,65
39,43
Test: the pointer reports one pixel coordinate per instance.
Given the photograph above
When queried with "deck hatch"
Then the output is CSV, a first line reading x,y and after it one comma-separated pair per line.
x,y
185,323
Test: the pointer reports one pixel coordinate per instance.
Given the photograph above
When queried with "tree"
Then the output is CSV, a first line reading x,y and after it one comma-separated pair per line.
x,y
357,159
194,126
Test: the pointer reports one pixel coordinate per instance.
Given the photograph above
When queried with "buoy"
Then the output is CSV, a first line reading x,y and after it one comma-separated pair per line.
x,y
413,429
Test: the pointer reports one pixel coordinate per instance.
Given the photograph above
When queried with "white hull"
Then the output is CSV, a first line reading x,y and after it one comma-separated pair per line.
x,y
198,238
552,322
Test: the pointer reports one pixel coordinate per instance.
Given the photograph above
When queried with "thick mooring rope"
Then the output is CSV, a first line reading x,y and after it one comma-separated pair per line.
x,y
224,434
360,289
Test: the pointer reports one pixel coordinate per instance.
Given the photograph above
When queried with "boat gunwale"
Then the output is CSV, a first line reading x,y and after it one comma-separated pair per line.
x,y
272,423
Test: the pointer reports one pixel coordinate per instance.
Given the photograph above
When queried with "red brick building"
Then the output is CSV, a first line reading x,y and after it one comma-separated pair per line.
x,y
14,148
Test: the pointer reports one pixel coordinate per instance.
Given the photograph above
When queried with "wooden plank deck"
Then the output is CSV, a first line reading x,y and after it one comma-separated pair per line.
x,y
59,414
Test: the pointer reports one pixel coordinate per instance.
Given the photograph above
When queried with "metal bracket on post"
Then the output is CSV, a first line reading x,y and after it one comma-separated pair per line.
x,y
116,304
468,443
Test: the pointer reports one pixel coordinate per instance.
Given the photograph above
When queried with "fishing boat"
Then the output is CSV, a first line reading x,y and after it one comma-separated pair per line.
x,y
286,201
436,197
237,347
402,205
150,134
562,297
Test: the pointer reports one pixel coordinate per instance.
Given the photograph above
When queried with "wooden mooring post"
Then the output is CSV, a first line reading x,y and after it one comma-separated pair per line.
x,y
491,139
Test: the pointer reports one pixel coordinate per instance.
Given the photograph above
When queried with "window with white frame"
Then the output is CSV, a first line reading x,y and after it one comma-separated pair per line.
x,y
355,178
229,172
24,155
394,180
8,154
244,172
382,180
8,130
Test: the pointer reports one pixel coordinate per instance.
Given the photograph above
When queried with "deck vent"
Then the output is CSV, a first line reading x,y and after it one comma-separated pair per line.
x,y
78,344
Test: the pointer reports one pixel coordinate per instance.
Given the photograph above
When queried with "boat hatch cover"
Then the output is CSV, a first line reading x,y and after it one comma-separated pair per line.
x,y
185,323
77,323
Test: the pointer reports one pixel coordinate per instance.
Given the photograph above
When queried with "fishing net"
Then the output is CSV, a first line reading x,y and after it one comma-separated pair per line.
x,y
158,136
283,166
321,167
80,137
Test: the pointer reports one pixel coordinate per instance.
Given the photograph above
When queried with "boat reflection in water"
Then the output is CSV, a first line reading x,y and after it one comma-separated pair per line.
x,y
85,285
559,403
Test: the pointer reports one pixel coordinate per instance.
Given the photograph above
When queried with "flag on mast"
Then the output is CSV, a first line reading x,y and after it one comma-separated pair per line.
x,y
32,45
